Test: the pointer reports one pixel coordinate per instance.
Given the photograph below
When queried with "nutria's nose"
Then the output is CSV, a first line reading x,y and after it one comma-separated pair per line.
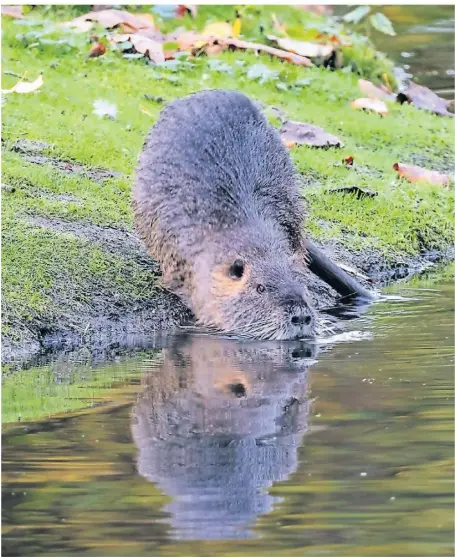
x,y
301,319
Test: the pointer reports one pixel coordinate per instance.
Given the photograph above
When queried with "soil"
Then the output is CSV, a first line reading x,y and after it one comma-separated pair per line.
x,y
35,152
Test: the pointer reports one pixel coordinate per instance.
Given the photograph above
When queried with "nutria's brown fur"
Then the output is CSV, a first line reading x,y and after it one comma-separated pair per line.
x,y
217,205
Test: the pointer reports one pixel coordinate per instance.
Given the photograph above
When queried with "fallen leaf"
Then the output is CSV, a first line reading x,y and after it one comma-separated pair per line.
x,y
348,161
98,49
218,30
359,192
375,105
424,98
419,174
147,17
142,45
154,34
213,49
105,108
149,47
375,92
303,48
114,18
13,11
190,40
236,27
183,9
283,54
307,134
25,87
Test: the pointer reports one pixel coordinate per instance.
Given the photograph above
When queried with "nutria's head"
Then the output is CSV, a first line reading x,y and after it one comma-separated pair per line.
x,y
249,283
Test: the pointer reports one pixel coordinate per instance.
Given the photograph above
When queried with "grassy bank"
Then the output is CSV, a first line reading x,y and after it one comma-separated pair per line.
x,y
68,254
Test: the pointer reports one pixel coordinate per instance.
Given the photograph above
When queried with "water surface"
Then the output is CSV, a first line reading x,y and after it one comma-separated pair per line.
x,y
423,45
214,447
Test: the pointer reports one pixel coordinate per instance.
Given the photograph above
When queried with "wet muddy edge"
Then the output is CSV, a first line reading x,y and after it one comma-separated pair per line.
x,y
144,325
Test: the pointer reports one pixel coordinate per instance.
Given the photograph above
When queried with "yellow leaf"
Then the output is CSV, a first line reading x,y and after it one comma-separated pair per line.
x,y
237,27
219,30
25,87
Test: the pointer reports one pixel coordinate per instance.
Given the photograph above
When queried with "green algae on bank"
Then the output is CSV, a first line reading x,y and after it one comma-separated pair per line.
x,y
57,276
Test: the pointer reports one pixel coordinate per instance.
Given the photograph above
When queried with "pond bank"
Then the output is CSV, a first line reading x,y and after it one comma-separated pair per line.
x,y
111,331
73,271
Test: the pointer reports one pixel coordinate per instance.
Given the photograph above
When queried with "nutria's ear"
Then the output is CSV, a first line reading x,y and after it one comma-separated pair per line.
x,y
229,280
237,269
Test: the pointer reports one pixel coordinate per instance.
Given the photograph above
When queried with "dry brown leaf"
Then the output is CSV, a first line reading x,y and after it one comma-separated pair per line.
x,y
213,49
114,18
303,48
283,54
190,40
98,49
13,11
25,86
306,134
148,18
419,174
348,161
375,92
374,105
424,98
144,45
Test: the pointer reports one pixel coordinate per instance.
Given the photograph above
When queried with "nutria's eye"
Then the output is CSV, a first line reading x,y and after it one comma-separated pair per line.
x,y
236,269
260,288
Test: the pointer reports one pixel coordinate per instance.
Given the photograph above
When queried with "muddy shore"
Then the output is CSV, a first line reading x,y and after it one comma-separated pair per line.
x,y
109,330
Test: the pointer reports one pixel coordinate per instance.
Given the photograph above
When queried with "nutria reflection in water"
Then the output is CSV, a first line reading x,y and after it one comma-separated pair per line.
x,y
217,425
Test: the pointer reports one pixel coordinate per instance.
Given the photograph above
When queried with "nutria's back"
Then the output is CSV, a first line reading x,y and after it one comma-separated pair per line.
x,y
217,205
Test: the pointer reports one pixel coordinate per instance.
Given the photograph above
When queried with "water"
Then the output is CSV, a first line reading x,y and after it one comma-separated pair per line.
x,y
424,43
213,447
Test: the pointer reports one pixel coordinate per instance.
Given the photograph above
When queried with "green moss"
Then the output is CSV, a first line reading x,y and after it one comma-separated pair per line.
x,y
48,276
53,280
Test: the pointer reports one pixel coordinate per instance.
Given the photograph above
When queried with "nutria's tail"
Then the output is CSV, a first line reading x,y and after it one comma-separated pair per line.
x,y
333,275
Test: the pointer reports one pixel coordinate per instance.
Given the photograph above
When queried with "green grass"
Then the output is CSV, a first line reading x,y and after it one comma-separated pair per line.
x,y
50,275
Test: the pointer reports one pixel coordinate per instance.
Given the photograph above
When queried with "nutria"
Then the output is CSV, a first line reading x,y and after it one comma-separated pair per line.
x,y
217,204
